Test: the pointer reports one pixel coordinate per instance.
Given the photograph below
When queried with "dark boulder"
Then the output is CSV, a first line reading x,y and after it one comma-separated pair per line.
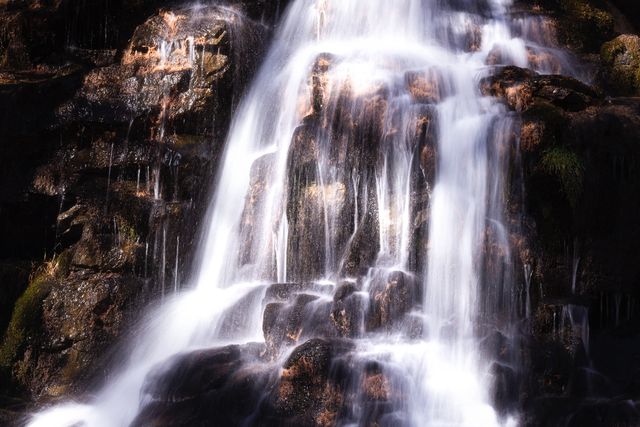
x,y
309,390
221,386
521,88
294,312
348,310
109,164
392,296
621,61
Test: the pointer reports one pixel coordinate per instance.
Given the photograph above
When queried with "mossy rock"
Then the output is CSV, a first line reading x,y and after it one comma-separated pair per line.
x,y
26,313
585,27
553,116
621,59
27,310
567,168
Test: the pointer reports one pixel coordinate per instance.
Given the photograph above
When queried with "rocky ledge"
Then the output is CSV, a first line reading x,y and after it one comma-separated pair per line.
x,y
112,122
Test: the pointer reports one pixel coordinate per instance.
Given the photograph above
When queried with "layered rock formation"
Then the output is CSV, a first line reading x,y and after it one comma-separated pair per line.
x,y
112,121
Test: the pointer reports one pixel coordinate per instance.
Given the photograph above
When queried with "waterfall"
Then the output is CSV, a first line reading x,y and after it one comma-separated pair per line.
x,y
409,71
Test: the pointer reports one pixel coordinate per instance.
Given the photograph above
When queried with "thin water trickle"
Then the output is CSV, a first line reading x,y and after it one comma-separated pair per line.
x,y
372,48
163,260
175,268
157,194
146,259
109,173
138,181
528,274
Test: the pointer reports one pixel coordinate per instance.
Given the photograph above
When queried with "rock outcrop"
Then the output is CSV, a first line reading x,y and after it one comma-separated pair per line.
x,y
112,121
621,59
577,149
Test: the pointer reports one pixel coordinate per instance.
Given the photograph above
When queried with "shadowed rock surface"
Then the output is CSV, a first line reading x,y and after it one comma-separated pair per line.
x,y
112,119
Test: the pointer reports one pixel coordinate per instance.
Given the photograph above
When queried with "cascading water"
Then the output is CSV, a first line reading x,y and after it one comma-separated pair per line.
x,y
405,75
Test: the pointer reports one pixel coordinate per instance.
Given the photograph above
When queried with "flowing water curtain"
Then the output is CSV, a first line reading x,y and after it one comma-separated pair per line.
x,y
363,137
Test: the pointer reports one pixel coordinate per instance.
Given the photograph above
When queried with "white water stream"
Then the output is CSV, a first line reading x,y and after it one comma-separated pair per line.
x,y
373,44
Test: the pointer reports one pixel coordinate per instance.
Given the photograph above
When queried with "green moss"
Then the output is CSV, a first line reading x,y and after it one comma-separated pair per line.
x,y
128,232
183,141
584,26
553,117
621,56
28,308
567,168
26,314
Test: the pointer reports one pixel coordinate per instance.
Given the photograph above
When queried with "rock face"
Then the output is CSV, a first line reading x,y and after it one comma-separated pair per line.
x,y
576,148
111,131
232,385
583,25
621,57
307,393
224,385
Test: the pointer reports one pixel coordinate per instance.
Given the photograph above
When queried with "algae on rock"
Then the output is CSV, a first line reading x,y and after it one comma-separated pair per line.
x,y
567,168
621,58
28,308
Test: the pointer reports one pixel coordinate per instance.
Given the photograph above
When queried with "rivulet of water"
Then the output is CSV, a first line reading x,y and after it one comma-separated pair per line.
x,y
372,48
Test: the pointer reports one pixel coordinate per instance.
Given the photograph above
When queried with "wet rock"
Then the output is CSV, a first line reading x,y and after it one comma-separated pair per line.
x,y
621,59
307,202
583,25
376,387
482,7
574,412
236,319
74,320
426,87
316,204
252,218
532,134
26,314
175,68
305,206
192,374
294,312
510,83
306,393
392,296
566,93
113,153
543,59
565,323
282,323
348,310
14,278
505,388
567,170
522,88
222,384
283,292
364,244
320,83
428,162
551,367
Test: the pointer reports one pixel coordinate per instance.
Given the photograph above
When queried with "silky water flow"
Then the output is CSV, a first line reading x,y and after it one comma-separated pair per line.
x,y
427,146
